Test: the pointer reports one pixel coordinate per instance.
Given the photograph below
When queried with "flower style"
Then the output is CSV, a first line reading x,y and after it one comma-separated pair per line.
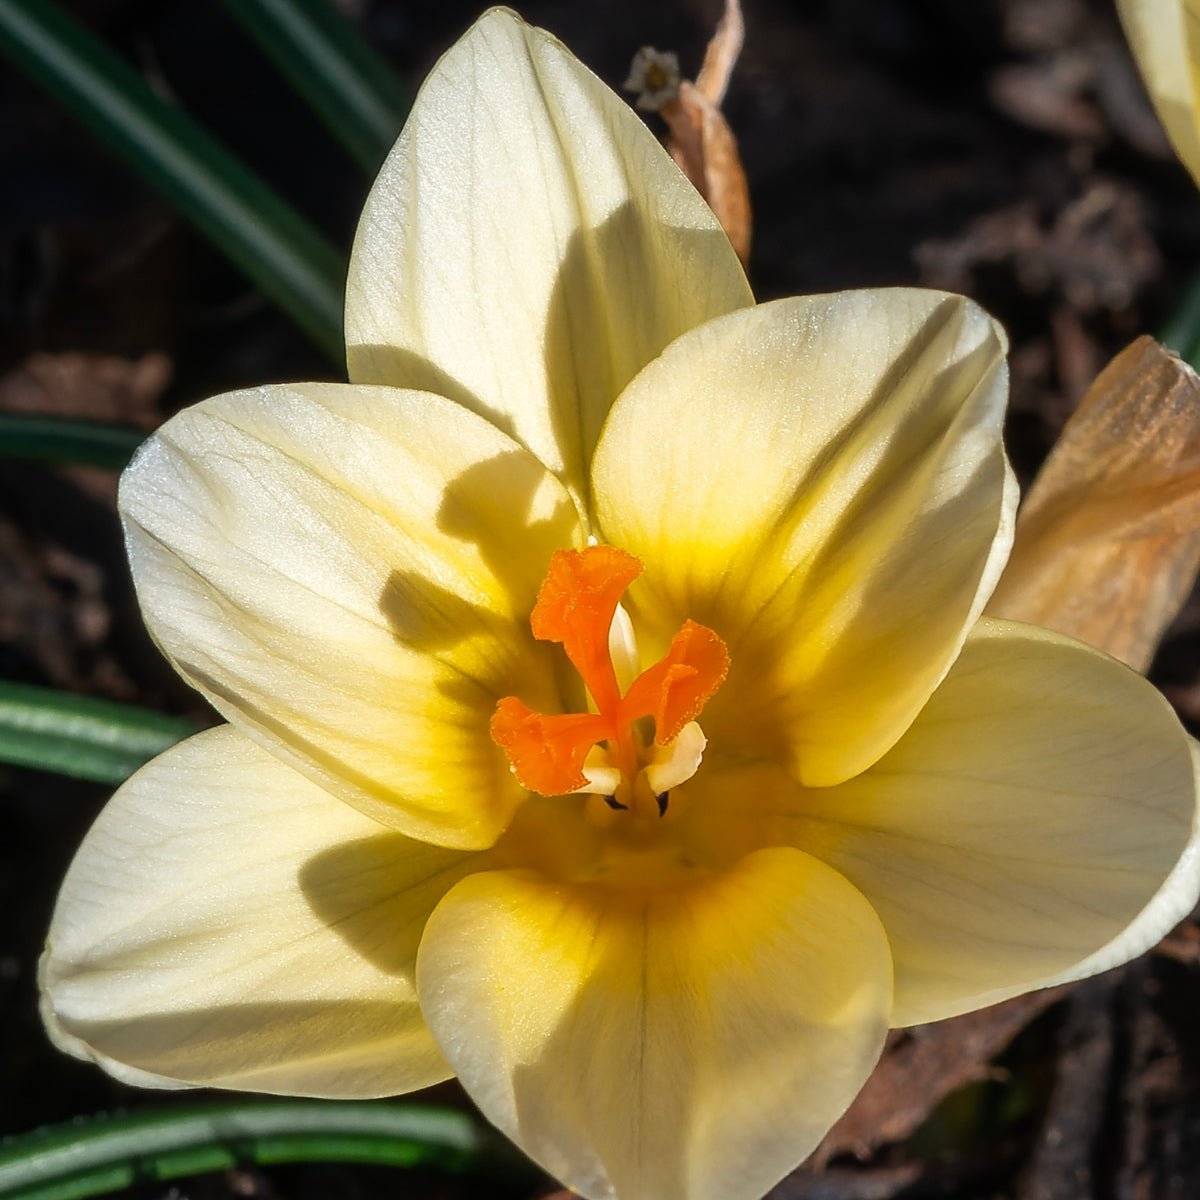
x,y
612,722
1165,38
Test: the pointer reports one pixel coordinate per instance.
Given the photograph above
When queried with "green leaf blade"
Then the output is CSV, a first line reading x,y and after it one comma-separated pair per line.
x,y
337,72
66,441
80,736
88,1158
258,231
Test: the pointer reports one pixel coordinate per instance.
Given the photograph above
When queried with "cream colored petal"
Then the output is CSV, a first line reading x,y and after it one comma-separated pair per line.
x,y
347,573
1036,823
822,482
1165,38
1174,900
529,246
688,1043
228,923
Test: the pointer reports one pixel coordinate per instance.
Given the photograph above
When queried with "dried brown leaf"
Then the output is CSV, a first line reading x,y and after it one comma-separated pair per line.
x,y
921,1067
703,145
1182,944
722,53
1049,96
56,554
699,138
1108,541
99,387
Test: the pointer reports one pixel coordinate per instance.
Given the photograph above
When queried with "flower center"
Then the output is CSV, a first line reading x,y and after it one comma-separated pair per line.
x,y
611,752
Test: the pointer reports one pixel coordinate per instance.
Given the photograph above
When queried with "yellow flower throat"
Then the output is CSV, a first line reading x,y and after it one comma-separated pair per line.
x,y
611,752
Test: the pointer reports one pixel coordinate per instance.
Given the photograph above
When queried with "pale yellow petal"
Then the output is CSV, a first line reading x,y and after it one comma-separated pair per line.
x,y
1175,899
688,1043
1165,38
822,482
528,246
1037,822
347,573
228,923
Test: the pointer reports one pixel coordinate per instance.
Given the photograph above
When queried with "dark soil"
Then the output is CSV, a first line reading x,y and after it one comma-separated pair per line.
x,y
999,147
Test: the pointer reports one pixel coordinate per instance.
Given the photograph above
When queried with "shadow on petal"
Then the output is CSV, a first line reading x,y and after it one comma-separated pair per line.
x,y
504,507
393,366
501,506
377,893
608,317
427,617
503,501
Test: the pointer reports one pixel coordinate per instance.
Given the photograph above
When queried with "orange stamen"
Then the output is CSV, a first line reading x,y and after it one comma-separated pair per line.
x,y
547,751
575,606
679,685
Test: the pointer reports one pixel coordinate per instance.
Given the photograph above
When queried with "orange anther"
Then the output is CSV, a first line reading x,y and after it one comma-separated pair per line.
x,y
546,752
575,606
678,686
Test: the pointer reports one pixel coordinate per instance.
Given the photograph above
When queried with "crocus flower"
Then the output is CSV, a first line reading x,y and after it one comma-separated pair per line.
x,y
1165,38
611,722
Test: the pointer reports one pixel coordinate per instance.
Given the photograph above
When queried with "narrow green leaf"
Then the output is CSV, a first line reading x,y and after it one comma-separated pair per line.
x,y
266,238
1181,333
337,72
81,736
105,1153
60,440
